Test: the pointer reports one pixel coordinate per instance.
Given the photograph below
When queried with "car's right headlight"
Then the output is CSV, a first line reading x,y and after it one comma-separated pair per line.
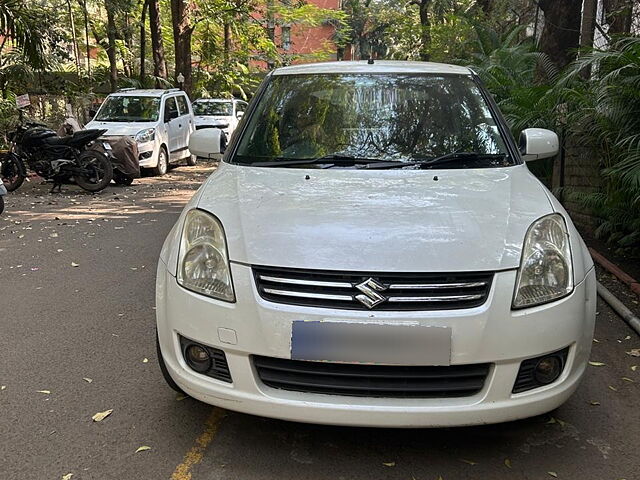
x,y
546,270
203,263
146,135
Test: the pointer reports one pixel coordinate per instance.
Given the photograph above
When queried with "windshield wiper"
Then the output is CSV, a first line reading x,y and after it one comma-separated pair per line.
x,y
333,158
446,158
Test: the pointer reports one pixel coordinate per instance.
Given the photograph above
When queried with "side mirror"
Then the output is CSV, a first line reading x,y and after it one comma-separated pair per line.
x,y
205,143
538,143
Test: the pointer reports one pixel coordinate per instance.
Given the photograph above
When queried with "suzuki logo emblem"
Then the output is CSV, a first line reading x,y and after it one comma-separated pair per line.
x,y
370,296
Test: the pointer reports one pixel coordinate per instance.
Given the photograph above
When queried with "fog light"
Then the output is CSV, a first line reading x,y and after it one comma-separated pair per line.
x,y
548,369
198,358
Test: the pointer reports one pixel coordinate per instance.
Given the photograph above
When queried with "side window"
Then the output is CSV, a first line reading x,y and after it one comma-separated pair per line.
x,y
241,107
183,105
170,109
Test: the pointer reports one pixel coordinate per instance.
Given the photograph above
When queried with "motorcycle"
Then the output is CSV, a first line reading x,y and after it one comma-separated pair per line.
x,y
55,158
3,192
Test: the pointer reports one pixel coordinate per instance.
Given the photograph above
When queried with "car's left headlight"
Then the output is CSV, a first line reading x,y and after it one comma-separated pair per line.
x,y
146,135
203,263
546,270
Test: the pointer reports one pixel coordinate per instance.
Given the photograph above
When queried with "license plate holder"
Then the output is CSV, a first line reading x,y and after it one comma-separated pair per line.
x,y
370,343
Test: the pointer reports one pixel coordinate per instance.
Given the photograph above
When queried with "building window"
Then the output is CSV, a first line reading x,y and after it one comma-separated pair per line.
x,y
286,37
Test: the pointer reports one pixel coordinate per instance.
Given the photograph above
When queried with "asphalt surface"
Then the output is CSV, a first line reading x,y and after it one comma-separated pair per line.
x,y
77,321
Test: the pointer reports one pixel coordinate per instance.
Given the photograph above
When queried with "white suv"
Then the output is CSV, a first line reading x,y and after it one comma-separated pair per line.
x,y
373,250
161,122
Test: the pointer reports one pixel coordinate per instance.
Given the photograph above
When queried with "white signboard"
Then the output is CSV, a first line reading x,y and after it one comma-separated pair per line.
x,y
23,101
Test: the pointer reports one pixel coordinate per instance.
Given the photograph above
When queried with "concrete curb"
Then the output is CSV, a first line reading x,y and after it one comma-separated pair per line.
x,y
626,314
625,278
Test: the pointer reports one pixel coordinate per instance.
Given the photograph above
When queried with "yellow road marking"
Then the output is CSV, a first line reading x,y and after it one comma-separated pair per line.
x,y
196,453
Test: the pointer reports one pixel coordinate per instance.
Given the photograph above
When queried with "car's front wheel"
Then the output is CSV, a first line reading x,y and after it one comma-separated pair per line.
x,y
163,163
163,369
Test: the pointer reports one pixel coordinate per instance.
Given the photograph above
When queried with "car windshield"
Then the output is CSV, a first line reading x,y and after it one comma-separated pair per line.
x,y
213,108
125,108
392,117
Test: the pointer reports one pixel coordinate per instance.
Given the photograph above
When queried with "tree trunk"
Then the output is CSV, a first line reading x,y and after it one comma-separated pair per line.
x,y
143,40
74,38
181,11
588,25
425,30
83,4
227,41
111,48
618,14
561,33
157,46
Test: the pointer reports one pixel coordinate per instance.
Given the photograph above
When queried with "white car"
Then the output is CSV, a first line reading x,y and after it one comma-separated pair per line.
x,y
161,122
224,114
373,251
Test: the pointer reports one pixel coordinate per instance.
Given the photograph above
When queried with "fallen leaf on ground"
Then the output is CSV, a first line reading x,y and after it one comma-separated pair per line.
x,y
634,352
627,379
46,392
145,360
593,402
613,388
143,448
553,474
507,463
67,476
634,367
562,423
470,462
389,464
88,380
597,364
74,264
98,417
596,340
180,397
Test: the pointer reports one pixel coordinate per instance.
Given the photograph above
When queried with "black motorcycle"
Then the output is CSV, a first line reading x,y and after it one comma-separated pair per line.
x,y
55,158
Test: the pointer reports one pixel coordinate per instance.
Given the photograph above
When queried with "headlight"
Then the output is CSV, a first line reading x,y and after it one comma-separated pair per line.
x,y
203,264
146,135
546,271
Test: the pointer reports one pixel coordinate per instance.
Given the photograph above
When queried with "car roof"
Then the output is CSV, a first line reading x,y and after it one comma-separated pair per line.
x,y
378,66
145,92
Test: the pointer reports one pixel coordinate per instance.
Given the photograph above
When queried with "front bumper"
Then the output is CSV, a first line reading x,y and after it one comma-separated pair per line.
x,y
490,333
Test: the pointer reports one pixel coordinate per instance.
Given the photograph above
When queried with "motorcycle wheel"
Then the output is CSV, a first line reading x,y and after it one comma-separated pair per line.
x,y
12,171
99,168
122,178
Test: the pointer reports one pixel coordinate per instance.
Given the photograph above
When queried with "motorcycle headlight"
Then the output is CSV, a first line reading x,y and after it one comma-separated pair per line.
x,y
546,270
203,263
146,135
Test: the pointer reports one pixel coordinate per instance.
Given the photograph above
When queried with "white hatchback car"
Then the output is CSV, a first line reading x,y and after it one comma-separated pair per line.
x,y
373,251
224,114
161,122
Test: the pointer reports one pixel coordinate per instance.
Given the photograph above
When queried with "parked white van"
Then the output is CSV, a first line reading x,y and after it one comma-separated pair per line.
x,y
374,251
161,122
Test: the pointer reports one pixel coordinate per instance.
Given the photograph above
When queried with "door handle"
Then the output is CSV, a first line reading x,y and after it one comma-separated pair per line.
x,y
179,125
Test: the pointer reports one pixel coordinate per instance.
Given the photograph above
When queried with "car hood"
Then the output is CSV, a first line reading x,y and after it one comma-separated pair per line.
x,y
377,220
121,128
211,119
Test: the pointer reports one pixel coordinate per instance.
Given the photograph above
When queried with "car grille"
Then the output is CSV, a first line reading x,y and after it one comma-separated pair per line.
x,y
388,381
397,291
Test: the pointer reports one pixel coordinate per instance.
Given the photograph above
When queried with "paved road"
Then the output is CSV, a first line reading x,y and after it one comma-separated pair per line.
x,y
61,324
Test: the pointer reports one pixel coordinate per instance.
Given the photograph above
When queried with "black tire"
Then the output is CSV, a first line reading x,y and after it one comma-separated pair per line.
x,y
99,168
165,372
12,171
122,178
1,204
163,163
192,160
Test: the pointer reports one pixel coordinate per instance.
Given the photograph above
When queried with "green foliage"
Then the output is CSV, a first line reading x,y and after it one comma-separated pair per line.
x,y
605,110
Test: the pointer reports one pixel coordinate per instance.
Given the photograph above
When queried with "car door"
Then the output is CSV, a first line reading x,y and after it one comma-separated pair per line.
x,y
172,122
186,122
